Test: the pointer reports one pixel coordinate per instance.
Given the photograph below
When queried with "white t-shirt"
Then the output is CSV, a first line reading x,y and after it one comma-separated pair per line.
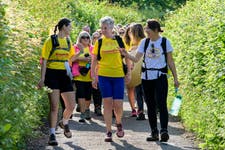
x,y
154,57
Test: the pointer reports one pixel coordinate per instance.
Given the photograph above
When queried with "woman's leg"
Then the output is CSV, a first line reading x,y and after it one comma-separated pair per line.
x,y
54,104
118,109
131,98
108,106
69,101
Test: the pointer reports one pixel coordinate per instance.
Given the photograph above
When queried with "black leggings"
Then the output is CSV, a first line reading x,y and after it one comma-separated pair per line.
x,y
156,97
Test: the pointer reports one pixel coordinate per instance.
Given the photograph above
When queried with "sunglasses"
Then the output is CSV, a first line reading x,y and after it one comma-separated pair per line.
x,y
121,32
153,48
85,37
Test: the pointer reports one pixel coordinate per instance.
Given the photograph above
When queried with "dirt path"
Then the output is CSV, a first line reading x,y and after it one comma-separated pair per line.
x,y
90,136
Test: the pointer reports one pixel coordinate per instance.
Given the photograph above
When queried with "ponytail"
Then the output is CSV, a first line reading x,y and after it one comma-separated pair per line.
x,y
55,29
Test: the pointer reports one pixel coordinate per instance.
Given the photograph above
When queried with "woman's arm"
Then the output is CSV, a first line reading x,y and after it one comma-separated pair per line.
x,y
135,58
172,67
43,72
94,71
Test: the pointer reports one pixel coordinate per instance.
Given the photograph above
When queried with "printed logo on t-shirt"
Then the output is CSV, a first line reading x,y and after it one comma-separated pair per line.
x,y
153,52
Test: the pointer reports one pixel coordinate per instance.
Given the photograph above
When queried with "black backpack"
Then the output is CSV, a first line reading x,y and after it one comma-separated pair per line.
x,y
55,44
121,45
163,44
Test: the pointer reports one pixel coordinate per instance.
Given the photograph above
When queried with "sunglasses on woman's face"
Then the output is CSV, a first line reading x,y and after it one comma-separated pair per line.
x,y
85,37
121,33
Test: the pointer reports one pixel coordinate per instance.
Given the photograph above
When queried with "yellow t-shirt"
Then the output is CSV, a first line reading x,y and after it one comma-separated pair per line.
x,y
86,78
58,54
110,64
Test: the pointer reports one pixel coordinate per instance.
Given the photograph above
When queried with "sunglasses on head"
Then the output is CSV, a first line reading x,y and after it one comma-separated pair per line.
x,y
85,37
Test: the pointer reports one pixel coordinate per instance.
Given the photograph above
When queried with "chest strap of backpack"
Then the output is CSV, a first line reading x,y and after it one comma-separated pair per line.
x,y
56,46
164,69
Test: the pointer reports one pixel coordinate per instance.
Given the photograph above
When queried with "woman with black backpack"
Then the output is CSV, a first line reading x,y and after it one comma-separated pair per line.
x,y
56,54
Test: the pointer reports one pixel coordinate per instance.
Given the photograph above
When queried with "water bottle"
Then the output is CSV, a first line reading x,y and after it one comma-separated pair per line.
x,y
176,104
88,65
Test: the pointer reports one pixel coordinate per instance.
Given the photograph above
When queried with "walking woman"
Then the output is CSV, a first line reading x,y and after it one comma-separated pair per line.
x,y
157,57
110,76
134,34
56,53
83,79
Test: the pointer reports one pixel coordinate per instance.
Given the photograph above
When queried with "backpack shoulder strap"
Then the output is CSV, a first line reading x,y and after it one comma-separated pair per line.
x,y
163,44
145,47
146,44
99,47
68,42
55,43
119,41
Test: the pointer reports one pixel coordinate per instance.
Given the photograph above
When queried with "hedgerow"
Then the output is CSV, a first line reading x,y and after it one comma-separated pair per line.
x,y
197,33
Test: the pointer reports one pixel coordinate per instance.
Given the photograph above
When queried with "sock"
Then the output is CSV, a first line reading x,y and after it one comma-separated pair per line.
x,y
52,130
65,121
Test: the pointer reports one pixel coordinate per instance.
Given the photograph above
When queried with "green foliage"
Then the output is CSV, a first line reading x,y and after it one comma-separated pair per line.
x,y
25,25
159,8
197,33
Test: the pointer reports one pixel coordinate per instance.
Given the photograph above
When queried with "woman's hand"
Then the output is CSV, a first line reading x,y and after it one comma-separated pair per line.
x,y
123,52
81,48
40,84
95,83
176,83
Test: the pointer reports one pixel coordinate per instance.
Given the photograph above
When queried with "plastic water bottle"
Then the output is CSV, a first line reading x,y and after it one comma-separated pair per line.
x,y
176,104
88,65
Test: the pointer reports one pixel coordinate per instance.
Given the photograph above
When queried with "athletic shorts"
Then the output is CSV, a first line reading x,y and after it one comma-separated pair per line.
x,y
111,87
83,89
58,79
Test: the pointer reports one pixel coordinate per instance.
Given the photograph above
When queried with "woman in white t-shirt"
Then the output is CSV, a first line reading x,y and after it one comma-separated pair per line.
x,y
156,59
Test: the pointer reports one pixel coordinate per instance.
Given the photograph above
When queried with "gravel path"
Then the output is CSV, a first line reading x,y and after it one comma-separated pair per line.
x,y
90,136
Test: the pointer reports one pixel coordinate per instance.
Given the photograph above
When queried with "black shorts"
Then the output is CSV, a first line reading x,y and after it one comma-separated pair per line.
x,y
83,89
58,79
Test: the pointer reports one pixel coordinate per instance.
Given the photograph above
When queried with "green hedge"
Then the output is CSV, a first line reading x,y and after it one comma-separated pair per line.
x,y
197,32
25,24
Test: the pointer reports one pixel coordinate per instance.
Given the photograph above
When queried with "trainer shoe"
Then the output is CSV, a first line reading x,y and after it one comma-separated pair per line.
x,y
108,137
154,136
119,132
98,111
67,131
87,114
52,140
164,136
133,113
141,116
82,117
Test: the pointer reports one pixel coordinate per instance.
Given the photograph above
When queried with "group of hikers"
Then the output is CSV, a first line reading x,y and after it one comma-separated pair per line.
x,y
100,67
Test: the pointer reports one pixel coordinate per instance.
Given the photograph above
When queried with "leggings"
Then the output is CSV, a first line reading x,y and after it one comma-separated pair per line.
x,y
156,97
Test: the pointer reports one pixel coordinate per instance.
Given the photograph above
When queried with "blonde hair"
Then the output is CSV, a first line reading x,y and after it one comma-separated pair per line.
x,y
81,34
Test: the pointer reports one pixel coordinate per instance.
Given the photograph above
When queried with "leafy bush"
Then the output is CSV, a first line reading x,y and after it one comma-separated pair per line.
x,y
25,25
197,33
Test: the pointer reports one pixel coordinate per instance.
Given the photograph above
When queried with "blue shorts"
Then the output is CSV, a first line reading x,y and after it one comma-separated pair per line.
x,y
111,87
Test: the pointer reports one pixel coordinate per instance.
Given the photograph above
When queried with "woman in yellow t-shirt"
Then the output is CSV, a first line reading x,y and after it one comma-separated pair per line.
x,y
110,76
83,79
54,76
134,34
